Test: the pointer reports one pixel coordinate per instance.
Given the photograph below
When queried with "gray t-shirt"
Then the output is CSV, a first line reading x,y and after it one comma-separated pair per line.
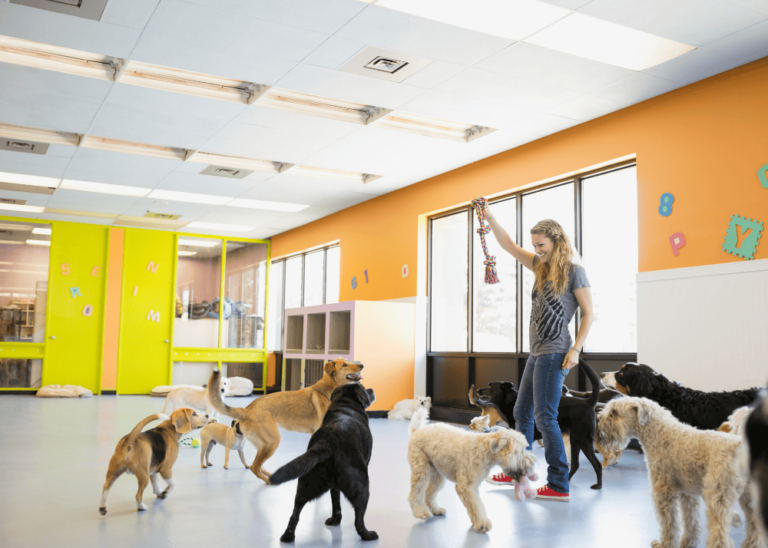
x,y
551,315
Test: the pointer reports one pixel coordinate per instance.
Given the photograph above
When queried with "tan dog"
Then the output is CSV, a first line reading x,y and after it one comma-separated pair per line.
x,y
298,411
146,454
229,436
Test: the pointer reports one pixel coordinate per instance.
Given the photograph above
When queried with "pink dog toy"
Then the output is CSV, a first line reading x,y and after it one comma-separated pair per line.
x,y
523,489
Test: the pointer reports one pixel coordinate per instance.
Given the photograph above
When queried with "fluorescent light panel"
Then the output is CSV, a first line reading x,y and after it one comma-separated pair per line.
x,y
56,58
31,180
40,135
191,83
269,206
218,226
24,208
103,188
10,242
40,230
199,243
53,211
335,174
238,162
303,103
187,253
433,127
189,197
38,242
506,18
129,147
608,43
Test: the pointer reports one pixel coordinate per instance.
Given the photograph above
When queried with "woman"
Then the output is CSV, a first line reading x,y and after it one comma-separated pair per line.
x,y
561,285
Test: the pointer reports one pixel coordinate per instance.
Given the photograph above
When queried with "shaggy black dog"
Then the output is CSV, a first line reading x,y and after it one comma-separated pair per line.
x,y
337,459
756,431
576,416
704,410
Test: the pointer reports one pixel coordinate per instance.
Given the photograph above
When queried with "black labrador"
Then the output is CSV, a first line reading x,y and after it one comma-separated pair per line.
x,y
337,459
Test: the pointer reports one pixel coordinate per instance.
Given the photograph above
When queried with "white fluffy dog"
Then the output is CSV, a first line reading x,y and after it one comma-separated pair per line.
x,y
440,451
196,398
685,464
403,410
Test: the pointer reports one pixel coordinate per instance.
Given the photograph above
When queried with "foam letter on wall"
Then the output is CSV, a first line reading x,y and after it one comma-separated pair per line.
x,y
354,282
135,290
405,271
366,275
65,269
87,311
742,237
153,316
762,177
95,271
677,240
75,292
152,266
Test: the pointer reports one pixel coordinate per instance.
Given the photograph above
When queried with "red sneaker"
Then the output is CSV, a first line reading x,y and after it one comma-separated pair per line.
x,y
545,493
500,479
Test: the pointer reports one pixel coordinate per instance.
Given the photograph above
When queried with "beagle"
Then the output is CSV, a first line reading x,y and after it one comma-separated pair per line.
x,y
146,454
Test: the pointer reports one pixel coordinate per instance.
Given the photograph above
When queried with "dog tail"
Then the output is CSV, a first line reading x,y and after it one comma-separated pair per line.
x,y
593,380
167,401
419,419
131,441
302,465
214,394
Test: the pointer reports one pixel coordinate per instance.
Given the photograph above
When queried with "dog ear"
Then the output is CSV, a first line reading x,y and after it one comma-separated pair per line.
x,y
498,444
429,399
330,368
181,421
233,423
643,414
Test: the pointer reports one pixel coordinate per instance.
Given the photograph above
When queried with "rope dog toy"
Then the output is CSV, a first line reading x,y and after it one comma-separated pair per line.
x,y
490,261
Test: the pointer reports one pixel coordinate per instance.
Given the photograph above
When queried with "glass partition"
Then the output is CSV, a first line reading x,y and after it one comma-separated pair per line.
x,y
198,285
332,274
448,296
293,274
244,295
275,323
314,276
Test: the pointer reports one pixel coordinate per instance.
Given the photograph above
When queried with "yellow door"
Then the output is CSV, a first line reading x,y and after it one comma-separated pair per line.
x,y
75,319
146,312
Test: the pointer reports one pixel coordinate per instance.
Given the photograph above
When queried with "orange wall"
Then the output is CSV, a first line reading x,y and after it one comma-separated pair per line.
x,y
112,313
704,143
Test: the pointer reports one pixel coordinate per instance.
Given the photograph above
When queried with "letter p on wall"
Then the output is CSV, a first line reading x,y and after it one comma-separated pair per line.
x,y
153,316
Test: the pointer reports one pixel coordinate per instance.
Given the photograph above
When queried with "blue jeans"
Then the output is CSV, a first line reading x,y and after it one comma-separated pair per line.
x,y
539,397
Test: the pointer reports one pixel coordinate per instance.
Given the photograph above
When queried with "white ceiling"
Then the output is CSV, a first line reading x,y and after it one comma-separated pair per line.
x,y
523,91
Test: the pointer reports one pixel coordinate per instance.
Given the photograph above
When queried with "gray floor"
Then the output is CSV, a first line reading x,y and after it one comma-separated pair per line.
x,y
54,456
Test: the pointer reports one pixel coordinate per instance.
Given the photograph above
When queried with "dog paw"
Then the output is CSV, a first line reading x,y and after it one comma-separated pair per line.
x,y
422,513
163,494
103,510
288,537
597,486
226,468
333,520
142,507
368,535
437,511
482,526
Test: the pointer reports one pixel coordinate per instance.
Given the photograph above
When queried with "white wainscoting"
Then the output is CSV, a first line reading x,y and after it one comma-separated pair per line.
x,y
706,327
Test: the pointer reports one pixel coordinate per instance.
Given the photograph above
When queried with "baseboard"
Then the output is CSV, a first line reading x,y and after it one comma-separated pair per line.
x,y
377,414
109,392
19,392
451,414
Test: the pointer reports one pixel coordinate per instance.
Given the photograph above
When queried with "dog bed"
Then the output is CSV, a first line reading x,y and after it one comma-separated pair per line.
x,y
66,391
240,386
162,391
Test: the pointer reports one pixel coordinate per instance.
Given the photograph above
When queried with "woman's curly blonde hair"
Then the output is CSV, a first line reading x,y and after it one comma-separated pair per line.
x,y
557,269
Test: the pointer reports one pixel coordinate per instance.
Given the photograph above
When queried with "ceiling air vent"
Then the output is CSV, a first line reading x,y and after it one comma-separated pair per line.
x,y
26,188
385,64
166,216
86,9
231,173
17,145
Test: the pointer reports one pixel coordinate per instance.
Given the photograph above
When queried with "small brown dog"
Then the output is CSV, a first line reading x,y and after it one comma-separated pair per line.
x,y
298,411
229,436
146,454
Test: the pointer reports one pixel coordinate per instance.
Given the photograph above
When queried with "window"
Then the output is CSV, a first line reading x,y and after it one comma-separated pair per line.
x,y
198,285
495,318
244,295
308,279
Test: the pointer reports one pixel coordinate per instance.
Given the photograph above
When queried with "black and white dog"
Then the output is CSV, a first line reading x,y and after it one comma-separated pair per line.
x,y
337,459
704,410
756,432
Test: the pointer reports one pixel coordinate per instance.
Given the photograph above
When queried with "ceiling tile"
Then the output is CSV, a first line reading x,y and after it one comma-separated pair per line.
x,y
215,28
695,22
693,66
58,83
207,184
101,164
129,13
498,88
48,162
586,108
546,66
326,17
67,31
758,5
744,46
291,121
188,210
32,198
636,88
294,220
299,190
90,201
447,106
171,51
263,233
418,36
543,124
333,53
242,216
13,113
348,87
75,219
434,74
163,118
